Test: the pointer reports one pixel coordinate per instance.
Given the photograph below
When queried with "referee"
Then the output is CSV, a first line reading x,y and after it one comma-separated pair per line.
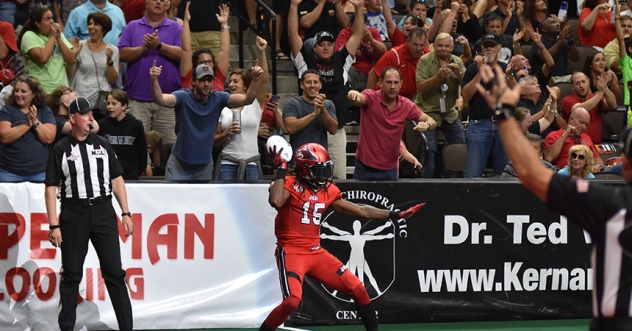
x,y
85,169
601,210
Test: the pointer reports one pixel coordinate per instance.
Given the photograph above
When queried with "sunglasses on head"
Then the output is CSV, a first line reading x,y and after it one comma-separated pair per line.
x,y
580,157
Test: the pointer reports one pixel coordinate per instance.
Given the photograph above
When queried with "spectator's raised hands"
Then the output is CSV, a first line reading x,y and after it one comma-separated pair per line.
x,y
12,71
154,72
536,36
552,95
353,95
187,14
56,31
319,104
444,72
261,44
76,44
256,72
31,118
108,54
517,36
602,8
519,8
610,77
565,33
297,2
356,3
222,17
462,40
601,82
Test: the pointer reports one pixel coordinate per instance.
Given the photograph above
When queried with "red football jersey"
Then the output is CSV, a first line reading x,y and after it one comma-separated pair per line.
x,y
297,225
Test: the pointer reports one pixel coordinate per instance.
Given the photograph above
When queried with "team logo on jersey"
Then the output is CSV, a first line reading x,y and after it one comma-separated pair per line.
x,y
366,247
72,157
298,187
98,153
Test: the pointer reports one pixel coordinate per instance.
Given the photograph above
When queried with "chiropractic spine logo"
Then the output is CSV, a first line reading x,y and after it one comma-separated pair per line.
x,y
365,246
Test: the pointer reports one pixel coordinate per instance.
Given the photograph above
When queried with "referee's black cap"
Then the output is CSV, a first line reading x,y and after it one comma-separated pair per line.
x,y
627,142
81,105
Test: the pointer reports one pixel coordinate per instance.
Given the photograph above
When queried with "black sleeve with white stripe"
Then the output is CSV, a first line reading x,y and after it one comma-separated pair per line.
x,y
584,203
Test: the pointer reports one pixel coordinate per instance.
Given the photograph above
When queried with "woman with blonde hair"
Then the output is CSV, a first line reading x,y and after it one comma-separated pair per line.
x,y
580,162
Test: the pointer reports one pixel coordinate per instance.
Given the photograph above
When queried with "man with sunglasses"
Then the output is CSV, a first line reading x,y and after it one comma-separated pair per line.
x,y
557,143
197,113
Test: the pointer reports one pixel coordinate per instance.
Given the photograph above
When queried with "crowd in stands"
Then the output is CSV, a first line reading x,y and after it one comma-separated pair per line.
x,y
158,74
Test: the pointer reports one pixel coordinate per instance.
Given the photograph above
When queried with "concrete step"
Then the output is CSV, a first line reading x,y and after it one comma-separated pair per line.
x,y
284,67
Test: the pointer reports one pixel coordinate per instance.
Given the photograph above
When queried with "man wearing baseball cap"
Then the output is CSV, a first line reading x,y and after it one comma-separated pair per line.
x,y
84,169
334,71
482,133
197,114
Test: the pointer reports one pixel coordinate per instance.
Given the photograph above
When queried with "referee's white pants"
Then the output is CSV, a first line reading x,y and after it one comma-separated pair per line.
x,y
338,152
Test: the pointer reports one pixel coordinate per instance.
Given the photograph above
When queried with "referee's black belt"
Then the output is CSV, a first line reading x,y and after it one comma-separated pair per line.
x,y
611,324
87,202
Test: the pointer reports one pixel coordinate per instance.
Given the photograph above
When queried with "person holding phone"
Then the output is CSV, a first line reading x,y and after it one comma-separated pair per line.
x,y
27,127
240,154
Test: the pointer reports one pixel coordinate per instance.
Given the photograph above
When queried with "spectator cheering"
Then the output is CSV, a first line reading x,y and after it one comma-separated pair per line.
x,y
308,118
384,111
595,26
97,62
334,72
78,26
205,55
27,127
560,45
600,102
197,114
152,39
439,77
594,68
402,57
45,49
126,135
558,143
317,15
580,163
240,153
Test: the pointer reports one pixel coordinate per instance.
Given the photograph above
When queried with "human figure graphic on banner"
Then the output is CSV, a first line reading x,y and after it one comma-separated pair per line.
x,y
357,240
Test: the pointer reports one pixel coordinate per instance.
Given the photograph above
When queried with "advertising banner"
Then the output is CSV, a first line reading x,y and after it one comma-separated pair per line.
x,y
476,251
201,256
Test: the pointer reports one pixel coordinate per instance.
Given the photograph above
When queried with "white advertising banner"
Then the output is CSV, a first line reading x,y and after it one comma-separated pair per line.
x,y
201,256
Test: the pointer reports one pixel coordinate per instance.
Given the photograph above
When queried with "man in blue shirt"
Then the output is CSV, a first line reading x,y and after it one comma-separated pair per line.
x,y
197,114
77,25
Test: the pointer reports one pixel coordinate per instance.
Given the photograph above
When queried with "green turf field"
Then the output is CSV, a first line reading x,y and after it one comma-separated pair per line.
x,y
546,325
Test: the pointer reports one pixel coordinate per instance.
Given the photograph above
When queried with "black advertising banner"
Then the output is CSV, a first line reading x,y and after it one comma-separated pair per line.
x,y
478,250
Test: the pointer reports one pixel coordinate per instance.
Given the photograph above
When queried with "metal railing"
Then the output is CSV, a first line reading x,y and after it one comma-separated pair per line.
x,y
270,38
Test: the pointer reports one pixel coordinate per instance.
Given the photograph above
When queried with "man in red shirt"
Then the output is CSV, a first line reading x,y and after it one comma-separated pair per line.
x,y
557,143
8,48
404,58
600,102
300,196
384,111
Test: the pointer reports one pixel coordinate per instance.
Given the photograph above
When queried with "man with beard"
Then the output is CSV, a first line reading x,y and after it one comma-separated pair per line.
x,y
439,75
596,104
559,142
560,44
197,114
384,111
482,134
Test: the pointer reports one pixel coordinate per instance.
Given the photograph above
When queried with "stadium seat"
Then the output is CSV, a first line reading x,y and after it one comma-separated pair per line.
x,y
565,89
454,160
584,52
165,152
574,23
526,49
608,175
611,126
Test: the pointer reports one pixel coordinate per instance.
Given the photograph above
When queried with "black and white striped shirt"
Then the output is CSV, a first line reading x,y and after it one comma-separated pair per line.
x,y
82,169
602,211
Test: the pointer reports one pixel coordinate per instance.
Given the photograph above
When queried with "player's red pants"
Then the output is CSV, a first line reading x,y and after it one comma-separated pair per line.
x,y
320,265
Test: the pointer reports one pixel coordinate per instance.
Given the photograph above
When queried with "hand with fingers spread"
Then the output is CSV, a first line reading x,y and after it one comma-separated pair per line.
x,y
518,35
276,157
187,14
10,72
154,72
222,17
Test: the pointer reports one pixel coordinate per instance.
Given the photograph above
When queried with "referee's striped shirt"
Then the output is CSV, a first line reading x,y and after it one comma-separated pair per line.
x,y
603,211
82,169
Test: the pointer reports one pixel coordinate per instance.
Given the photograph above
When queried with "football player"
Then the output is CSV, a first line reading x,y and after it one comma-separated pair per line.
x,y
300,197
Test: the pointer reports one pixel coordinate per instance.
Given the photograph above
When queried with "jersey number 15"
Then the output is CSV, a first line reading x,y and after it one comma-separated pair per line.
x,y
316,215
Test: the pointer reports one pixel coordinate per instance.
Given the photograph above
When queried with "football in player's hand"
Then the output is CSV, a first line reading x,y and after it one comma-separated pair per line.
x,y
277,143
